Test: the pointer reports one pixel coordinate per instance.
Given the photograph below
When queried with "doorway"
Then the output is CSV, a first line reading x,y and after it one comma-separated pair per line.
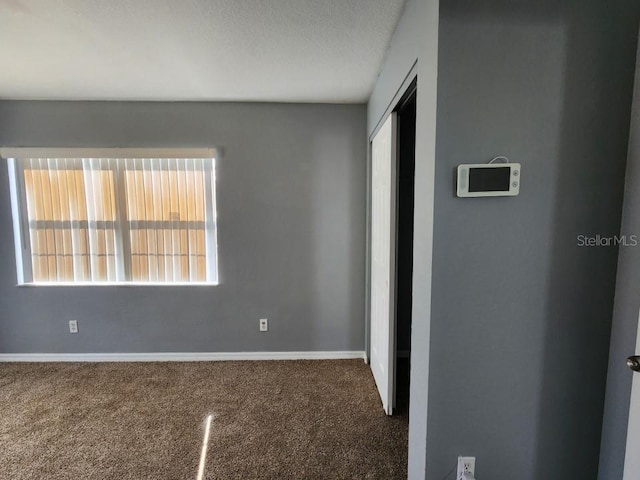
x,y
391,258
406,118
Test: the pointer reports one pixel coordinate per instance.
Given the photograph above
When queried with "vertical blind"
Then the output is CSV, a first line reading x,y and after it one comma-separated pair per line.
x,y
109,220
167,224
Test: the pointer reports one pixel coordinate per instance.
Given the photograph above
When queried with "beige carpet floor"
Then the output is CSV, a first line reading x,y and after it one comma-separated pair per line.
x,y
272,420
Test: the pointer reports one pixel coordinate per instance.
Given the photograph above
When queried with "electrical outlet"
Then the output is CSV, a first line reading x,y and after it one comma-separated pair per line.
x,y
73,326
264,324
466,468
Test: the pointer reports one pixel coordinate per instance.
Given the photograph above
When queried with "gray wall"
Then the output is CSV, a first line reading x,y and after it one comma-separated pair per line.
x,y
521,315
625,313
291,218
414,48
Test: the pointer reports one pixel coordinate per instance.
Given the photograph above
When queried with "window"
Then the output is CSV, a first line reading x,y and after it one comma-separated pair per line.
x,y
98,217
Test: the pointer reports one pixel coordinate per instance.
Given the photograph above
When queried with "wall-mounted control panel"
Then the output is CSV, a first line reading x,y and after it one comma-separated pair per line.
x,y
489,180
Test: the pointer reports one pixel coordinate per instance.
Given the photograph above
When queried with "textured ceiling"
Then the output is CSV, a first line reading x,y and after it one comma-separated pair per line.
x,y
262,50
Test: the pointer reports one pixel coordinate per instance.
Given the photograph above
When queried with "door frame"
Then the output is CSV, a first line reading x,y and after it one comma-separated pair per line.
x,y
408,87
399,95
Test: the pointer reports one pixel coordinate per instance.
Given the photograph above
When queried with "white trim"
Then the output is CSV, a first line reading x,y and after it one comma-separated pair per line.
x,y
39,152
15,215
123,283
211,240
178,356
406,83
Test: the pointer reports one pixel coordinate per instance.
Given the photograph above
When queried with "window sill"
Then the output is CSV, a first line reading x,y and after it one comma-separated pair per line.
x,y
117,284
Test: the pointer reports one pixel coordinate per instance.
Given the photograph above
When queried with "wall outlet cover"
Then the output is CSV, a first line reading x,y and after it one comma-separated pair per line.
x,y
264,324
466,466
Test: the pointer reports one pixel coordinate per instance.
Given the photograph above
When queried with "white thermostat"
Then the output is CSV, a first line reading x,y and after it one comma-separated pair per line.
x,y
489,180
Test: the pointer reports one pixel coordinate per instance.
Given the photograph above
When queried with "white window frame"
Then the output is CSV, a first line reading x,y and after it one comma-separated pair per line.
x,y
21,223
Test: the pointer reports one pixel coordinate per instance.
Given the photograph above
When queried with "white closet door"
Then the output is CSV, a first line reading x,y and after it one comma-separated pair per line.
x,y
383,236
632,458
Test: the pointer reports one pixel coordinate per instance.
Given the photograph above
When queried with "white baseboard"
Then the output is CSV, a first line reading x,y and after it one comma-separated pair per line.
x,y
178,356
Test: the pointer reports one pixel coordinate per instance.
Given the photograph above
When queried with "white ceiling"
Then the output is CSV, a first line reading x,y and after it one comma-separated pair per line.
x,y
241,50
